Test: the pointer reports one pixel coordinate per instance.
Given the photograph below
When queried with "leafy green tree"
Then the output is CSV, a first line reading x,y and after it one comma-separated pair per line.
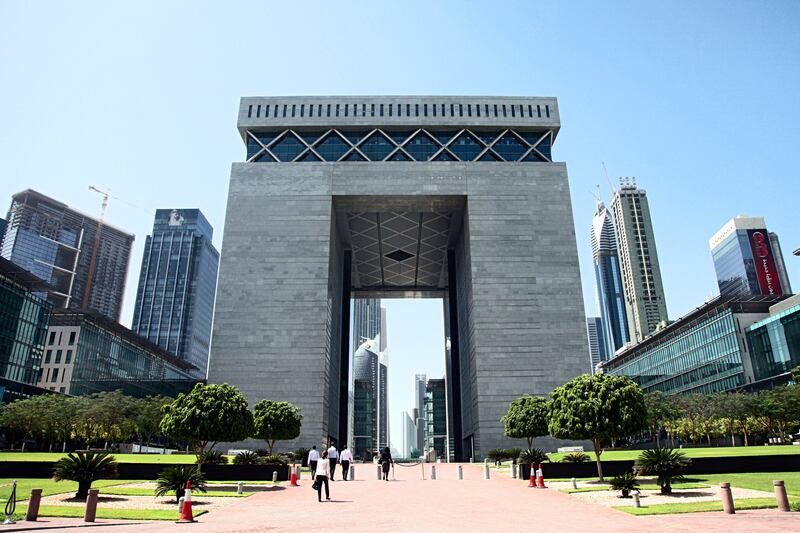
x,y
23,417
276,421
207,415
796,374
174,478
778,409
598,408
665,463
660,410
147,417
58,414
526,419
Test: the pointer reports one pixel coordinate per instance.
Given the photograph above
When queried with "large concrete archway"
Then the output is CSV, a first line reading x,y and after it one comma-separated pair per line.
x,y
452,197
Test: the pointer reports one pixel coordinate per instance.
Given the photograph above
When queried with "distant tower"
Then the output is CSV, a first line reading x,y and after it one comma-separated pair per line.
x,y
370,410
608,282
56,243
645,304
748,259
597,353
177,285
420,386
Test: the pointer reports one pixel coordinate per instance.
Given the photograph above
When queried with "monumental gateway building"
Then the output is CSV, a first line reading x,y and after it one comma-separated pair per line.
x,y
342,198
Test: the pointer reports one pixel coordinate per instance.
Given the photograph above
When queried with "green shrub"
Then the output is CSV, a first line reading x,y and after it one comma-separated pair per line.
x,y
262,452
247,458
273,460
174,478
214,457
625,482
576,457
301,455
513,453
533,456
85,467
664,463
497,455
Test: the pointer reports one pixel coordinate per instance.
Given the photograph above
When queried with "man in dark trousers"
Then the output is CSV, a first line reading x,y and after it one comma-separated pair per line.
x,y
345,458
313,457
333,457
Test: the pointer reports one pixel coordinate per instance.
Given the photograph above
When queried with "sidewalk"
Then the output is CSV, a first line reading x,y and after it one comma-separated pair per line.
x,y
410,504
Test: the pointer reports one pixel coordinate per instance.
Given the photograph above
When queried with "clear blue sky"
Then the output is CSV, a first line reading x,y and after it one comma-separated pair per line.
x,y
697,99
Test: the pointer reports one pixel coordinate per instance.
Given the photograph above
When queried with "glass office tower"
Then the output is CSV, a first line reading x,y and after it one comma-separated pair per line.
x,y
61,246
748,258
608,282
645,305
436,418
597,348
370,410
177,285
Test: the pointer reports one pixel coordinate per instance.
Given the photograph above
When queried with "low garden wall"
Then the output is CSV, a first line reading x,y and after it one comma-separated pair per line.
x,y
700,465
44,469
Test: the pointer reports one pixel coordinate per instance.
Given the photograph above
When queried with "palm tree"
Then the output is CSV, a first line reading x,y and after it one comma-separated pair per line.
x,y
174,478
665,463
85,467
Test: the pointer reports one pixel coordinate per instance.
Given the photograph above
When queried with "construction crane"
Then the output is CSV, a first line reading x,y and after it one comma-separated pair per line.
x,y
93,262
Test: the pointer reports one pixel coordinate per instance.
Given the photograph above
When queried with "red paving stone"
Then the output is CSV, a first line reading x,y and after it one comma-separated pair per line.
x,y
409,503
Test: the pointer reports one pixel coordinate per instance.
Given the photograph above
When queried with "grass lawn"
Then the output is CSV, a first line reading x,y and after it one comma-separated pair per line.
x,y
697,507
50,487
130,491
113,514
726,451
120,457
753,480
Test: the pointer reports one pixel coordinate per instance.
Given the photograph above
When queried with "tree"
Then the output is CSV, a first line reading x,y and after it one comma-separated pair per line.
x,y
778,408
58,418
665,463
147,417
22,416
276,421
207,415
526,419
598,407
660,410
796,374
85,467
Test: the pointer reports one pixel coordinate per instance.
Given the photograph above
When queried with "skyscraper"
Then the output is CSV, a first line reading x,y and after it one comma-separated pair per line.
x,y
608,282
436,418
597,353
420,384
64,248
370,409
177,284
748,259
645,305
409,434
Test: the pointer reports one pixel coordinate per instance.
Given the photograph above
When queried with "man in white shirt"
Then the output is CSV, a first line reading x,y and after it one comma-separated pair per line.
x,y
333,457
313,457
345,458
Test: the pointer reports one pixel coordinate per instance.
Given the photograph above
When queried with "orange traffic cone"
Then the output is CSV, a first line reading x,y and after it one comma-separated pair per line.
x,y
294,476
532,484
540,478
186,510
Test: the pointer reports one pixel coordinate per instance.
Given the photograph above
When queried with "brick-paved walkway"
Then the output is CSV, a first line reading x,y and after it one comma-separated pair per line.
x,y
446,504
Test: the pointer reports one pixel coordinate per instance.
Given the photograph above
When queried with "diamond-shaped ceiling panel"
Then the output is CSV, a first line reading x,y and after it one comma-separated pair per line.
x,y
399,250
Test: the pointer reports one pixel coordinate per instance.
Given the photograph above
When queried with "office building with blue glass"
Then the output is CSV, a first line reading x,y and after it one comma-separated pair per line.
x,y
774,342
24,318
83,260
748,258
597,346
702,352
177,284
608,282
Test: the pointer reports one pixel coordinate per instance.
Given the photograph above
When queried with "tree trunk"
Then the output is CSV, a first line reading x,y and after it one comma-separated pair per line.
x,y
733,439
83,490
530,443
666,488
597,451
745,439
64,447
23,445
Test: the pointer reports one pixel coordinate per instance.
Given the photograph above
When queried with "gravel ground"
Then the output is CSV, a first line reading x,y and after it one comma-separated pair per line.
x,y
221,487
610,498
139,502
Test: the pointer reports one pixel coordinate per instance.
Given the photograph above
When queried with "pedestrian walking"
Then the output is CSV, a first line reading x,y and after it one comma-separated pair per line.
x,y
313,457
386,462
333,458
345,458
323,473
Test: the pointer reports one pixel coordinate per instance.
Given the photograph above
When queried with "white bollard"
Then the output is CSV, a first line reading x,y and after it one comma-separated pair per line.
x,y
513,471
433,471
297,470
180,503
636,501
485,470
239,488
351,475
379,473
574,483
460,472
275,477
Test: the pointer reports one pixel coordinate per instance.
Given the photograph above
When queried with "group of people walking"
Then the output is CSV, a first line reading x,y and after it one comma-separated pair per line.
x,y
323,466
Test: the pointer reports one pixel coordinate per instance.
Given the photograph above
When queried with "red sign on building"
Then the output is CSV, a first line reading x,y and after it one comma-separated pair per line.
x,y
766,271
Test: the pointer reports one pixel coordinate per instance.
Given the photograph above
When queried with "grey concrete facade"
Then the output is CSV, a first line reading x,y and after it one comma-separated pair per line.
x,y
514,279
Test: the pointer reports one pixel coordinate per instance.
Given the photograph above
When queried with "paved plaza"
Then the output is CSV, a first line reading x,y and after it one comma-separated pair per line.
x,y
409,503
